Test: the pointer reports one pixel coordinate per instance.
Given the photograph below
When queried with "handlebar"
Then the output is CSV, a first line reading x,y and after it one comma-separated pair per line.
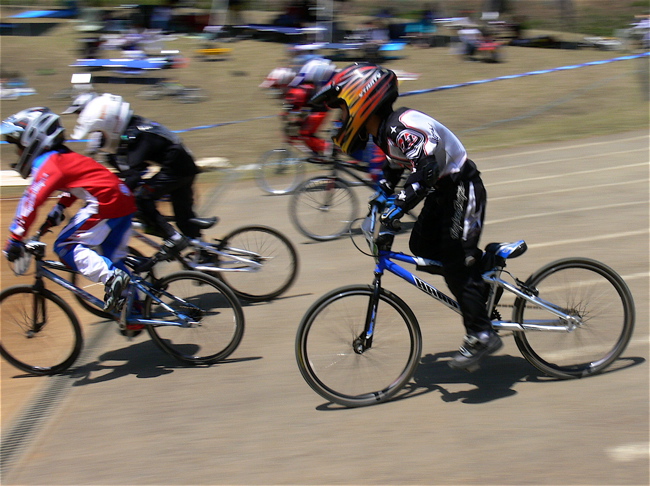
x,y
378,237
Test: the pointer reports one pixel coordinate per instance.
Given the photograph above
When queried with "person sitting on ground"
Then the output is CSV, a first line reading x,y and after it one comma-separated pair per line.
x,y
450,224
133,143
104,221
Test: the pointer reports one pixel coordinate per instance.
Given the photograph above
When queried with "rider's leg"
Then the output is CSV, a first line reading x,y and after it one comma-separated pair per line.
x,y
182,199
161,184
448,229
76,245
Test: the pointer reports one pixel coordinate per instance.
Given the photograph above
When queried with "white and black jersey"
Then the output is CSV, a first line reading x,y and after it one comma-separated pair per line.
x,y
450,223
411,139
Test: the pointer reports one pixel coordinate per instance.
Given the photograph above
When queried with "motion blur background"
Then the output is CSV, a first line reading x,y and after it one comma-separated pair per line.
x,y
128,415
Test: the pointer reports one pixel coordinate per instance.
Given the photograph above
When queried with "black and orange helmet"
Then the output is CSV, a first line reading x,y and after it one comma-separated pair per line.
x,y
363,89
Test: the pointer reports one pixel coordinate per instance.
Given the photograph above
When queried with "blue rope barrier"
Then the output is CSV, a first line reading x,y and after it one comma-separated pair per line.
x,y
432,90
522,75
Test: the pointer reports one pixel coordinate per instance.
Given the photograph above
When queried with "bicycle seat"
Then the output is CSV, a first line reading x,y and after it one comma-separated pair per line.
x,y
507,250
204,223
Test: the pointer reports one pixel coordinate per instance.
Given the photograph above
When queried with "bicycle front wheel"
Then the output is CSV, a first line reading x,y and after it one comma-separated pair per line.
x,y
326,339
280,171
218,317
322,208
598,297
263,263
40,333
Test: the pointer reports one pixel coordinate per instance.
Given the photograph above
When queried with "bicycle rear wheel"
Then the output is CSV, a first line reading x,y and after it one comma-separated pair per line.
x,y
219,318
280,171
40,333
261,245
323,208
325,347
591,291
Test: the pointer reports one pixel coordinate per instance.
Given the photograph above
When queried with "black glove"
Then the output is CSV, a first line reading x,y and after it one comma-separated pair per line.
x,y
56,216
390,218
14,249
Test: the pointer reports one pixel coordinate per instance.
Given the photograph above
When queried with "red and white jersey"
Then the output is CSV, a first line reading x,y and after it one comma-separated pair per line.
x,y
79,177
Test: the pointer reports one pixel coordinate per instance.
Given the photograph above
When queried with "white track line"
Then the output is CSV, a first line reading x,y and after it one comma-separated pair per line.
x,y
569,189
555,161
549,149
566,211
586,239
569,174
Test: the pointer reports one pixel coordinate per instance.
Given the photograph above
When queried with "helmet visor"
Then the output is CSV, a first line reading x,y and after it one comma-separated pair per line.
x,y
10,132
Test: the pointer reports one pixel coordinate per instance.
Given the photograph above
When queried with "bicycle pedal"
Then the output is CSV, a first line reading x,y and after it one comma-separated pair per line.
x,y
130,333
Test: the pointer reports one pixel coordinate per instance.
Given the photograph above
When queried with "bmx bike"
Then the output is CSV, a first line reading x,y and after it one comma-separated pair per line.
x,y
190,315
257,262
360,345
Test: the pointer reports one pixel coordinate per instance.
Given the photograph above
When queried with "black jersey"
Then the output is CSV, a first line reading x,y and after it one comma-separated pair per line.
x,y
146,142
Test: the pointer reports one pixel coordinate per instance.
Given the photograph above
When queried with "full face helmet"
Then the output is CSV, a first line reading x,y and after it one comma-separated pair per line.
x,y
359,90
317,71
35,130
108,114
79,103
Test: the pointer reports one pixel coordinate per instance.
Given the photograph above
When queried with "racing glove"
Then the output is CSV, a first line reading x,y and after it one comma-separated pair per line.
x,y
390,218
56,216
14,249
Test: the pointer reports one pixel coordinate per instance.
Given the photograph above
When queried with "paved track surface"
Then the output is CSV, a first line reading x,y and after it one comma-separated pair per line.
x,y
128,414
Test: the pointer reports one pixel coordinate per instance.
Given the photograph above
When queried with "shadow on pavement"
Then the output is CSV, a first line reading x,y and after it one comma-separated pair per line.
x,y
144,360
494,380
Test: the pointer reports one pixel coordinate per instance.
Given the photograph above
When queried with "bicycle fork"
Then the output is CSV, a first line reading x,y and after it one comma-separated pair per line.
x,y
39,316
364,341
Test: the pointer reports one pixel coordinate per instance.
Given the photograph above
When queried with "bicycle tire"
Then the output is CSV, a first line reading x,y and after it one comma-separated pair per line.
x,y
280,171
599,296
267,246
96,289
322,208
40,333
221,320
325,351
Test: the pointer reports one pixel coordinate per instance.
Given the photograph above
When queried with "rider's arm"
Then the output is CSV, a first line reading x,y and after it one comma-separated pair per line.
x,y
138,151
46,180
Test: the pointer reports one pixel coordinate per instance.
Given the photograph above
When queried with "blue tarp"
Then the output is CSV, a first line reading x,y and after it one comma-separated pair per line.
x,y
39,14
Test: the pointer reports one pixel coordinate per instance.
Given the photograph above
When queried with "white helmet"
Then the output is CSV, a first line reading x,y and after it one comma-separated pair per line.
x,y
108,114
80,103
317,71
36,130
278,78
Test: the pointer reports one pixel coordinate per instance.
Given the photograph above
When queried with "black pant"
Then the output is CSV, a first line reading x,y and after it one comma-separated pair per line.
x,y
181,194
448,230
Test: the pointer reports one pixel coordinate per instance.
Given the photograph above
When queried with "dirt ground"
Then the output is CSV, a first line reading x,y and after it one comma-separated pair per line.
x,y
593,101
127,414
546,107
554,106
